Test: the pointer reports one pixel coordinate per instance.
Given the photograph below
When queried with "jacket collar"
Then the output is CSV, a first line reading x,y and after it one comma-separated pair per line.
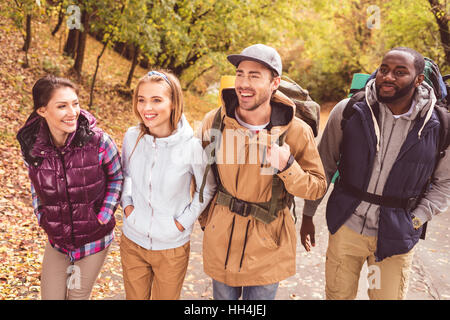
x,y
424,101
43,145
281,117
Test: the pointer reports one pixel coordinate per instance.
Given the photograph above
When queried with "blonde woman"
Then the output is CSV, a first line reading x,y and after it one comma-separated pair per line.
x,y
160,157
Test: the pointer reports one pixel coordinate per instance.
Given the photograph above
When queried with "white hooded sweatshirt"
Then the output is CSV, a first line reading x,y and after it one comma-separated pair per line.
x,y
157,183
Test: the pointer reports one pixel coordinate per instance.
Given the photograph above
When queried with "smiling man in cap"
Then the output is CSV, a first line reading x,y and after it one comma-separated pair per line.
x,y
249,240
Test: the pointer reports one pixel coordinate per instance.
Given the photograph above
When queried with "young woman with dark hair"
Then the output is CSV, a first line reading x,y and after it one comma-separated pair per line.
x,y
76,182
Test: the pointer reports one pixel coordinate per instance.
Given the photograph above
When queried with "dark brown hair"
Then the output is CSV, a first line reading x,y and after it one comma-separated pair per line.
x,y
43,89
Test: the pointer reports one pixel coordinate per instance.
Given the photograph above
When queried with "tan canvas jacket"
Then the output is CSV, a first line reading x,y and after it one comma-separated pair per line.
x,y
242,251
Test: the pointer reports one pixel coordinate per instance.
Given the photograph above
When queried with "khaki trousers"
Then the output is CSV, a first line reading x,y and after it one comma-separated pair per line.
x,y
346,254
153,274
62,280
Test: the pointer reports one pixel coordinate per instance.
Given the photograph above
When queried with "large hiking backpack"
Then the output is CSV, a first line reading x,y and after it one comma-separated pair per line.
x,y
305,108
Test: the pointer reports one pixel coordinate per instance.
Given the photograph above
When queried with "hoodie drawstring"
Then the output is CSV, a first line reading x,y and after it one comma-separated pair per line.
x,y
428,116
375,122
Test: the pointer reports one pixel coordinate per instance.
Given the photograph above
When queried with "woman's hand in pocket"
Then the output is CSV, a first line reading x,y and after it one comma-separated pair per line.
x,y
128,210
179,226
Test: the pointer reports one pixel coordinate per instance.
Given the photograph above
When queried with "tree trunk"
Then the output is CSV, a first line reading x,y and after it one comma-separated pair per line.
x,y
105,45
91,98
27,43
60,20
78,65
72,42
133,65
441,16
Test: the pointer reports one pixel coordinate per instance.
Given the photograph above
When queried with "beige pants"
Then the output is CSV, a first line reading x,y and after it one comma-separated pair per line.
x,y
62,280
153,274
346,254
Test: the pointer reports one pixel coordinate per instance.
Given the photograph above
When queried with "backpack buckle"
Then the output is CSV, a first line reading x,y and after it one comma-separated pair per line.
x,y
240,207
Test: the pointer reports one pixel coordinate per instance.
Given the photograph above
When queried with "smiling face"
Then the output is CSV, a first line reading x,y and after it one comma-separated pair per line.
x,y
61,114
396,78
254,85
154,105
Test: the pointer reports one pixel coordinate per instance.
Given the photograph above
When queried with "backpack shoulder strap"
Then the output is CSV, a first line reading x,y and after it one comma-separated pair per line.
x,y
444,131
217,125
278,188
444,141
349,110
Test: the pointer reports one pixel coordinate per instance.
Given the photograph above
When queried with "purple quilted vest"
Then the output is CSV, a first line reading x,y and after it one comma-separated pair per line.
x,y
70,183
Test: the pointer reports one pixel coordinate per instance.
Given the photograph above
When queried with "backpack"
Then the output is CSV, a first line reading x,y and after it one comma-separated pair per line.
x,y
305,108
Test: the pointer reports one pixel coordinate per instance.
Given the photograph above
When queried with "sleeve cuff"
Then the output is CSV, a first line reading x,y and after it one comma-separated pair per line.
x,y
310,207
103,217
291,170
125,202
289,163
422,216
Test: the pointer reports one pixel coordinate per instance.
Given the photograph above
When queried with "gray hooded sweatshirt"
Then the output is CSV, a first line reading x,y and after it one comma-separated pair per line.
x,y
391,132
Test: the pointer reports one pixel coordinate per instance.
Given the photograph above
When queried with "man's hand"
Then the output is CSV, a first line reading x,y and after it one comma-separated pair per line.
x,y
277,156
307,233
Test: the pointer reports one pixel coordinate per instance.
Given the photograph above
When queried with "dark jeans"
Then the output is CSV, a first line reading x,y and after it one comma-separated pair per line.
x,y
222,291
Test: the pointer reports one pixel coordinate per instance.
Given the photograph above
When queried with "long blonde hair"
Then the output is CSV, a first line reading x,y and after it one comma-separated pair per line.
x,y
176,94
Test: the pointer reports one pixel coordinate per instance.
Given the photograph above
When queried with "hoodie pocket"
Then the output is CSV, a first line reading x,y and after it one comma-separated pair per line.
x,y
130,216
132,222
164,229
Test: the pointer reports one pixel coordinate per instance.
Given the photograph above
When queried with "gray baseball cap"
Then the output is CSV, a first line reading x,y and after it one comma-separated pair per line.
x,y
261,53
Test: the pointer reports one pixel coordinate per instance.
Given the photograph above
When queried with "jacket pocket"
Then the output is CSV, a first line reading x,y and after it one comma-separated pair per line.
x,y
164,229
265,235
130,217
133,222
94,217
396,224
